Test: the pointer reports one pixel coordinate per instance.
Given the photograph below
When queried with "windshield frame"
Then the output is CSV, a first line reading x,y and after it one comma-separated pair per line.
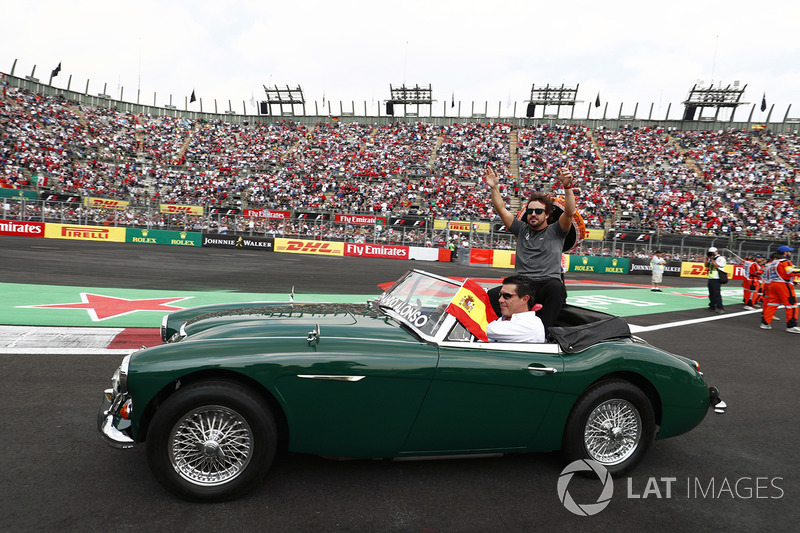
x,y
419,301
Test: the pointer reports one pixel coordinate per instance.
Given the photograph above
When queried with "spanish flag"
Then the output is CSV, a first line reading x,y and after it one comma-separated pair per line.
x,y
472,308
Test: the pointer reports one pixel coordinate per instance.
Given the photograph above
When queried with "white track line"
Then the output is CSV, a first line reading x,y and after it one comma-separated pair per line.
x,y
58,340
645,329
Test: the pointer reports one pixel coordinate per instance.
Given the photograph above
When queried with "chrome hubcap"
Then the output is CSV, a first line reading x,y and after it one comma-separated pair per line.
x,y
613,431
211,445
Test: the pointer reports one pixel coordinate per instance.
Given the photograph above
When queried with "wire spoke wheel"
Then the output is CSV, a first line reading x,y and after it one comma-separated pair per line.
x,y
210,445
612,432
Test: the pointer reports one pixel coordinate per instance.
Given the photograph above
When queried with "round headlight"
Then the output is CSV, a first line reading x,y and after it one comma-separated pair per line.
x,y
115,381
123,374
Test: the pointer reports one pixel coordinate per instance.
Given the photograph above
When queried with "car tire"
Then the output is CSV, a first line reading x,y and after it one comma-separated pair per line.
x,y
211,441
612,423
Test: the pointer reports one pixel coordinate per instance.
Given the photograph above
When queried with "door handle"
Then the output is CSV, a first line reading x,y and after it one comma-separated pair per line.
x,y
545,369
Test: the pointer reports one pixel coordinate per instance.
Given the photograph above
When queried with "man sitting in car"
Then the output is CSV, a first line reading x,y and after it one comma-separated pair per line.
x,y
518,322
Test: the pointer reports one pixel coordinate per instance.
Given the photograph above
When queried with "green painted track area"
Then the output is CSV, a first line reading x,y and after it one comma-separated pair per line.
x,y
50,305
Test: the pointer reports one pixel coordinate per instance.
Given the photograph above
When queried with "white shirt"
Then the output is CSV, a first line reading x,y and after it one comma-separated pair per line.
x,y
521,327
720,262
658,263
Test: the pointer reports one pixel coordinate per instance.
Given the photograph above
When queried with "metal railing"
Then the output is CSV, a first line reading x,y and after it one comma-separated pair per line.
x,y
674,246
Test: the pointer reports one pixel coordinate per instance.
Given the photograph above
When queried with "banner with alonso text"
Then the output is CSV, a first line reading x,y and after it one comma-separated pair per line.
x,y
302,246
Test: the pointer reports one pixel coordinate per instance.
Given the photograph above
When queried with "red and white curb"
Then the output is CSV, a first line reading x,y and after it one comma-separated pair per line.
x,y
49,340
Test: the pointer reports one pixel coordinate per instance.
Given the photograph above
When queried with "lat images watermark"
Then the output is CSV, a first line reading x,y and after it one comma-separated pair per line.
x,y
694,488
587,509
689,488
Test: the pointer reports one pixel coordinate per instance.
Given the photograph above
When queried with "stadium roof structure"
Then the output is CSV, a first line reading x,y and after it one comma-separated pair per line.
x,y
559,96
292,102
408,96
718,98
552,96
282,97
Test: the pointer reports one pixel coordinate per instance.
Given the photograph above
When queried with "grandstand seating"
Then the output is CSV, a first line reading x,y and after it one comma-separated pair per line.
x,y
690,182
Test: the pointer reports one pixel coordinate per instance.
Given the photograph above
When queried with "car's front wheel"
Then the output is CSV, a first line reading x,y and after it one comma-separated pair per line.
x,y
211,441
611,423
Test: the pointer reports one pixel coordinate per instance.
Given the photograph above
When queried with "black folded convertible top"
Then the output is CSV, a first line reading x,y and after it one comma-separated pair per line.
x,y
576,338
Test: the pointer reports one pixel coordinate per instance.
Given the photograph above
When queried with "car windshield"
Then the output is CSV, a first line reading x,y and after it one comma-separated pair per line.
x,y
419,300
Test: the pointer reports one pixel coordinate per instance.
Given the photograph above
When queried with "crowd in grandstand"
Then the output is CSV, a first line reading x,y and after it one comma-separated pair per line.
x,y
691,182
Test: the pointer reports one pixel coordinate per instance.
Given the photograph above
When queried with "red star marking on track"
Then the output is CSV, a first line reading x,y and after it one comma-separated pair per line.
x,y
102,307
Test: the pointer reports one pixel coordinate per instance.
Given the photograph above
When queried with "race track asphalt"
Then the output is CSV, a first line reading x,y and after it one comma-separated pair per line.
x,y
735,472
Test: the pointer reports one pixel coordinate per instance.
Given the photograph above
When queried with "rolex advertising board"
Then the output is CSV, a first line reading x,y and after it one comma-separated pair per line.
x,y
599,265
156,236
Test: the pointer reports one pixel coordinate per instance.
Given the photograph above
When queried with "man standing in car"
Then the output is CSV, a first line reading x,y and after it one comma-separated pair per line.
x,y
539,245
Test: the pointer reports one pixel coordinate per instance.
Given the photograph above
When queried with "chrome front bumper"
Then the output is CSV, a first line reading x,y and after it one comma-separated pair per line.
x,y
716,402
114,428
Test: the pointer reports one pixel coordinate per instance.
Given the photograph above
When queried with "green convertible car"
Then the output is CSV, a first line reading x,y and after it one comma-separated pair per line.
x,y
395,377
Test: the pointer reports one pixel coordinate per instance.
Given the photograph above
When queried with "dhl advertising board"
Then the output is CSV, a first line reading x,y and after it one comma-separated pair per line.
x,y
181,209
699,270
106,203
84,233
156,236
301,246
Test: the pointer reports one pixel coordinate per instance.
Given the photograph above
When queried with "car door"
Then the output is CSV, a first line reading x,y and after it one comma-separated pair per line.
x,y
356,397
486,397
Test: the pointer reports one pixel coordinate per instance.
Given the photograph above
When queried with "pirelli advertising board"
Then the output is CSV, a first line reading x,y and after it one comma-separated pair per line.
x,y
462,226
157,236
301,246
84,233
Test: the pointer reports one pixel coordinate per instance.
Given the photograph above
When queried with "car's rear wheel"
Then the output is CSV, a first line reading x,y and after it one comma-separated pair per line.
x,y
211,441
611,423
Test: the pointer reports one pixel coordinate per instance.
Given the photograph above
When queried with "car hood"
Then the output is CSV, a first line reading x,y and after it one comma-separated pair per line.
x,y
350,320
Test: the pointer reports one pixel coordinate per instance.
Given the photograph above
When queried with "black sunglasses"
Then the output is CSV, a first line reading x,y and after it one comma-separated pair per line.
x,y
506,295
531,210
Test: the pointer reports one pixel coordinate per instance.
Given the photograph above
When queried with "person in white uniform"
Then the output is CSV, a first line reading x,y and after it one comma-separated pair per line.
x,y
518,322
